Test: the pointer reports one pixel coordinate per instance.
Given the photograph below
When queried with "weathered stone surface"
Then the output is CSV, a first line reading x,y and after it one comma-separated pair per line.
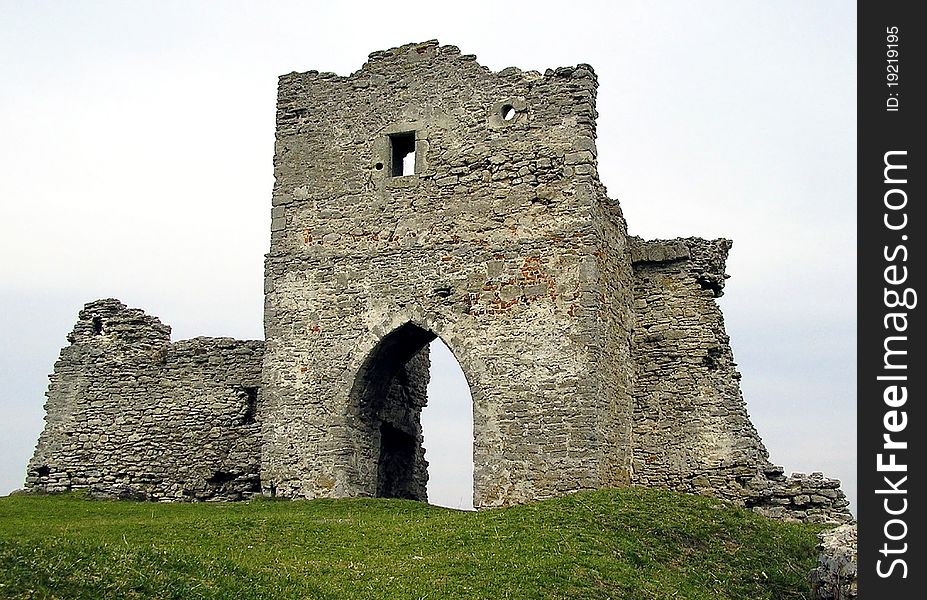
x,y
131,415
423,196
835,576
692,432
497,243
811,498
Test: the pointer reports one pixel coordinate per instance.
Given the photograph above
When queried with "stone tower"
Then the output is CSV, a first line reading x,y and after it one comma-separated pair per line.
x,y
427,196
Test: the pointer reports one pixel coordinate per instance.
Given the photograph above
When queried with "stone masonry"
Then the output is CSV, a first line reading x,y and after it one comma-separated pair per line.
x,y
835,577
132,415
426,196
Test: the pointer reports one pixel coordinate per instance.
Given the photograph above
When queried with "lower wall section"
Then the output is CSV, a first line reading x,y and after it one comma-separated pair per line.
x,y
129,414
810,498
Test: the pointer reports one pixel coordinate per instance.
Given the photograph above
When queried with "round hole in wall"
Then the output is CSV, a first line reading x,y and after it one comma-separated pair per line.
x,y
379,166
508,112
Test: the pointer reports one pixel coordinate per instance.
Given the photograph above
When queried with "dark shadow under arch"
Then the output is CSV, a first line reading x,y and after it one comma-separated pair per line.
x,y
389,393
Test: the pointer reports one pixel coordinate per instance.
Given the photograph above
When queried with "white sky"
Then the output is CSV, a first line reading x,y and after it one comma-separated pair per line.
x,y
136,142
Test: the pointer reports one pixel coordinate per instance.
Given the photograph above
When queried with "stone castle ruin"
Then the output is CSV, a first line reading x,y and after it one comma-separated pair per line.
x,y
426,196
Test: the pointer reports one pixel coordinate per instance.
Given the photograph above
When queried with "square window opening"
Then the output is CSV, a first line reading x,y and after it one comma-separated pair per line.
x,y
402,154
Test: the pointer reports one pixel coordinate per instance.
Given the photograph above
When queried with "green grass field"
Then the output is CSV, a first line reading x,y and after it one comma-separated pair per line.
x,y
630,543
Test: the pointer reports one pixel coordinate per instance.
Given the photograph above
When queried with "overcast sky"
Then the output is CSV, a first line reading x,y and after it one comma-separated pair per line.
x,y
136,141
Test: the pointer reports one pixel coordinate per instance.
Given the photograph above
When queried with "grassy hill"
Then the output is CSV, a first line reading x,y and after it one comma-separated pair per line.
x,y
631,543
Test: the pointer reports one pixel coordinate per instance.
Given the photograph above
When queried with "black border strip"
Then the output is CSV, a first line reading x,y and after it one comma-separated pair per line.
x,y
890,269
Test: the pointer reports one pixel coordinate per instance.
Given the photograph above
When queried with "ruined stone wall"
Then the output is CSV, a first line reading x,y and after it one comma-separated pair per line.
x,y
691,430
129,414
810,498
491,244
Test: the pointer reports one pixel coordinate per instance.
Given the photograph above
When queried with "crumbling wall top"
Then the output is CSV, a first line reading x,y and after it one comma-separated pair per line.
x,y
385,62
707,258
111,320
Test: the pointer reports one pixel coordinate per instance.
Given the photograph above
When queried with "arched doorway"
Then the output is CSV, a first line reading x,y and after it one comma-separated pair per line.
x,y
389,394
